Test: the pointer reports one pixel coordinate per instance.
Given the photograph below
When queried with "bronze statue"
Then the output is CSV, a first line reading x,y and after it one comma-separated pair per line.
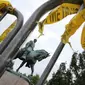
x,y
31,58
29,47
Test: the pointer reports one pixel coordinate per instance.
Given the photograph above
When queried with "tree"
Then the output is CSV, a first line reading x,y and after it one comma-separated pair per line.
x,y
75,75
81,74
59,78
34,79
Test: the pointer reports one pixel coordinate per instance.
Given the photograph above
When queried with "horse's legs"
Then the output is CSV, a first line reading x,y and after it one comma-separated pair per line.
x,y
32,69
20,65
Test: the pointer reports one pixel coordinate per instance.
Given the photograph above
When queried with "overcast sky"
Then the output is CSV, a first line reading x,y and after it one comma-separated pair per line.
x,y
50,40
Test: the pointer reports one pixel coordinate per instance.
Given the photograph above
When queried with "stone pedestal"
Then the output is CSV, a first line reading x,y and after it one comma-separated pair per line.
x,y
9,78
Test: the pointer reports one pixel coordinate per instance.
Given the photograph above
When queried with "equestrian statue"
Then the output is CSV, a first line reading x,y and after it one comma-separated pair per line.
x,y
30,56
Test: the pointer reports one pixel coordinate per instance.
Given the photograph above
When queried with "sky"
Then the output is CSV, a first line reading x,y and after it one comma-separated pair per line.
x,y
49,41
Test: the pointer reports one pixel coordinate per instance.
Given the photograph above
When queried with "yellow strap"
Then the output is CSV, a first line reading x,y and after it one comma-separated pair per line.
x,y
61,12
40,35
83,38
1,13
58,14
5,4
84,2
71,46
41,26
73,25
6,32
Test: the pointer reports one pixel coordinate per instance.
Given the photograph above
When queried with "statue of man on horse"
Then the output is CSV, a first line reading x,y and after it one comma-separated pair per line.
x,y
29,47
29,56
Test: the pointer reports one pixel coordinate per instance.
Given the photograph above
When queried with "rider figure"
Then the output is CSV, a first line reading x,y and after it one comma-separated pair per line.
x,y
29,47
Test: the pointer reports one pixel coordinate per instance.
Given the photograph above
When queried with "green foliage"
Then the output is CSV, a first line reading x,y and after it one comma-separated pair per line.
x,y
34,79
75,75
59,78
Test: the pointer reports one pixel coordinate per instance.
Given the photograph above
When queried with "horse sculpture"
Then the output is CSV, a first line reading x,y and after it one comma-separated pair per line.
x,y
31,58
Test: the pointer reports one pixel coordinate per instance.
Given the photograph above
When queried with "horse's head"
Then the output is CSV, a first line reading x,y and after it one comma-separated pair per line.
x,y
44,54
